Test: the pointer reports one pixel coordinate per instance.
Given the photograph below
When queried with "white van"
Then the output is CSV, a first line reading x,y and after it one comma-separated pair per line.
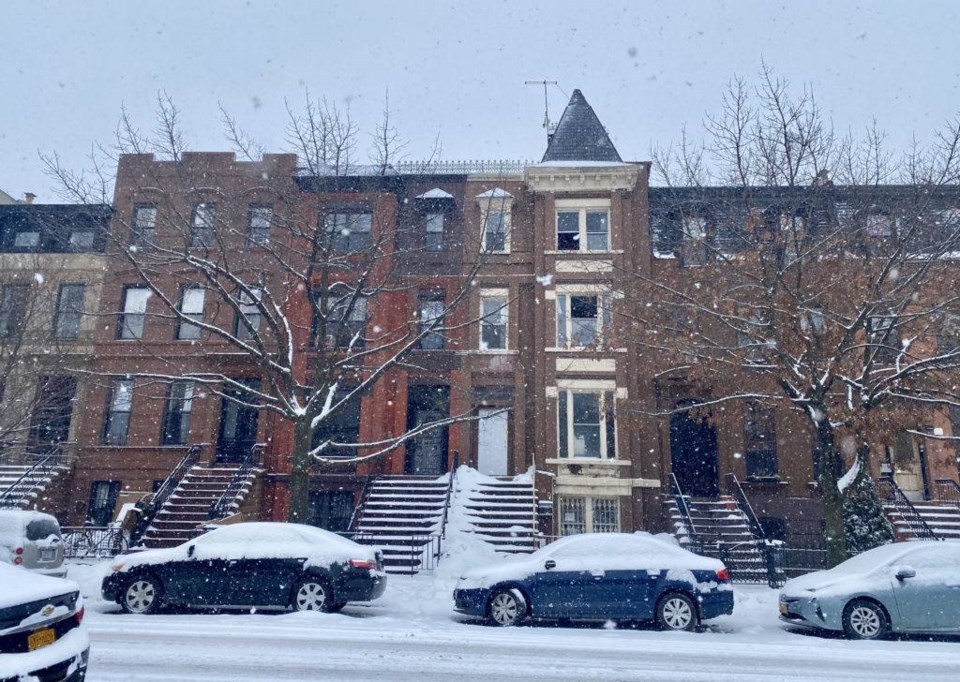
x,y
32,540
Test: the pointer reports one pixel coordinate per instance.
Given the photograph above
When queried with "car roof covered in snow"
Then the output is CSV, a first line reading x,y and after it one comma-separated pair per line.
x,y
21,586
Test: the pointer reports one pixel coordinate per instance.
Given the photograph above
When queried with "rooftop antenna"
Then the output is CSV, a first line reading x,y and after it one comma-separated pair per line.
x,y
547,123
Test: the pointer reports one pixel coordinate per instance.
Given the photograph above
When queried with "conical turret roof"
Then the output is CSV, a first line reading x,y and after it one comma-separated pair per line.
x,y
580,136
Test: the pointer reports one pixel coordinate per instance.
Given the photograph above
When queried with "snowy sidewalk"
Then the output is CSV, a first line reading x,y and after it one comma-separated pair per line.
x,y
412,634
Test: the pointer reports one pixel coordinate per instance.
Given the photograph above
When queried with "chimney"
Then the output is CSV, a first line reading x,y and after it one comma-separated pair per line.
x,y
29,197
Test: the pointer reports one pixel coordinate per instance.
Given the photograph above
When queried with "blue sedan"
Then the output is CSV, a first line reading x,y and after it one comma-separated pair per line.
x,y
600,576
903,587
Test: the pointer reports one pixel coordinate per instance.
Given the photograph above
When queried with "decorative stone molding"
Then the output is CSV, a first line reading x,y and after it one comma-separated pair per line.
x,y
610,178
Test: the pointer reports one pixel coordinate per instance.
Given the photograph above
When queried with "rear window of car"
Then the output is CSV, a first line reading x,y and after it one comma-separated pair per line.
x,y
41,529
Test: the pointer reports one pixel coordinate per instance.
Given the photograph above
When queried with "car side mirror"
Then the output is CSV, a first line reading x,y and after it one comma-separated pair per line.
x,y
190,550
905,572
549,563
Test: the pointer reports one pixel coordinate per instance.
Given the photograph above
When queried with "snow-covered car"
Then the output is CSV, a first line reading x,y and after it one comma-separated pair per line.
x,y
903,587
600,576
31,539
42,636
250,565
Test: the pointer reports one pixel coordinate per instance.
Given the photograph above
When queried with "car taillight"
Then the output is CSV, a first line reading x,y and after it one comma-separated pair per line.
x,y
79,614
19,551
723,575
369,564
18,560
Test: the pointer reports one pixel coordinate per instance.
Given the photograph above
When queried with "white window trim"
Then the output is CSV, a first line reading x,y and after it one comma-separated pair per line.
x,y
502,205
604,454
495,293
599,291
581,206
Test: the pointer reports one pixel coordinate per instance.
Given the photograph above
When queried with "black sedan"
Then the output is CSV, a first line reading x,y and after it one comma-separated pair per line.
x,y
250,566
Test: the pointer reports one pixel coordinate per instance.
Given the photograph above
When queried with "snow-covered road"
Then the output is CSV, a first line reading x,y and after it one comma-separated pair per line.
x,y
411,635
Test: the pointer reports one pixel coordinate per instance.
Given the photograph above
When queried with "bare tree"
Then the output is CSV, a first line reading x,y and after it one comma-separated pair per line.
x,y
286,290
824,295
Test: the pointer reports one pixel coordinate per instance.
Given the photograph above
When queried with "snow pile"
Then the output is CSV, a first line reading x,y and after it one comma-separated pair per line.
x,y
19,586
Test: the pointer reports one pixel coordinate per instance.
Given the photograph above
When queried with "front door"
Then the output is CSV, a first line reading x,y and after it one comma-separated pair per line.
x,y
427,453
238,424
492,443
908,467
693,454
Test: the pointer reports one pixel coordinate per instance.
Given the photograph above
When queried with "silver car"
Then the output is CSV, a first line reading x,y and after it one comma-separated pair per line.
x,y
904,587
32,540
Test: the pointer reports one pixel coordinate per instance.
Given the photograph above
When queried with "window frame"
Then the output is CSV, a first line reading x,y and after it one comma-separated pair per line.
x,y
504,231
336,324
425,342
143,234
565,325
583,210
258,235
203,221
348,215
178,409
760,442
502,312
588,507
115,416
126,315
606,425
14,301
430,220
61,313
248,309
190,331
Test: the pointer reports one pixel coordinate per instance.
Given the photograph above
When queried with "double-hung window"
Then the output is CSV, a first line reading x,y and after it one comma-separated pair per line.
x,y
26,239
191,307
586,424
345,325
760,441
348,232
70,310
493,321
433,238
495,228
431,312
13,308
261,217
117,424
176,414
133,317
583,229
248,321
583,320
82,241
202,224
144,224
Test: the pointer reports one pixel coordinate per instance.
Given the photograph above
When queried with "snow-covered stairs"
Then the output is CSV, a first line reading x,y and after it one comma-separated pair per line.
x,y
502,511
942,518
724,532
403,516
20,487
188,508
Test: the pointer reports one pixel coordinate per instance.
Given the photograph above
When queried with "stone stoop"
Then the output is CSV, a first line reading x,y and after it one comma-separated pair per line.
x,y
28,492
943,519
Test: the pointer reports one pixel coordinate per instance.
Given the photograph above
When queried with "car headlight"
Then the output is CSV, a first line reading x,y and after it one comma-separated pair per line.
x,y
117,567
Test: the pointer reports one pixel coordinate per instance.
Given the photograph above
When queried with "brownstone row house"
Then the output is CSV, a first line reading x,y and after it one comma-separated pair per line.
x,y
542,347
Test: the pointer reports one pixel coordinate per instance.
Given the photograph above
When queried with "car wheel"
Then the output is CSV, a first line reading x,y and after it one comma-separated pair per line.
x,y
676,612
143,594
507,607
336,608
313,594
865,619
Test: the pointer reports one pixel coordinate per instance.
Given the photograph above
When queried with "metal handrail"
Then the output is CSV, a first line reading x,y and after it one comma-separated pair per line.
x,y
44,464
735,490
684,510
948,490
166,489
918,526
228,500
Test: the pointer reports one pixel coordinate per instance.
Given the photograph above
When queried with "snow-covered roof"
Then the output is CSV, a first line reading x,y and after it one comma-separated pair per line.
x,y
436,193
495,193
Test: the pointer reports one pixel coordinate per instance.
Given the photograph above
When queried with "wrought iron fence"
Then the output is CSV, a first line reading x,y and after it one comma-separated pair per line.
x,y
948,491
93,542
414,554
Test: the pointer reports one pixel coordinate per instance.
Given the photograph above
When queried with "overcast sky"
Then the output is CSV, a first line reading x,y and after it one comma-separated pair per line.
x,y
456,69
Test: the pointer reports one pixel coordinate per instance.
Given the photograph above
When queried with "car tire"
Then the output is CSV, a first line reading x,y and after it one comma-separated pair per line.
x,y
506,607
676,611
142,595
337,607
313,594
865,619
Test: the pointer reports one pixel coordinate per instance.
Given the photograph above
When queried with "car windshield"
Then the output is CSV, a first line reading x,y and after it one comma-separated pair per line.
x,y
41,529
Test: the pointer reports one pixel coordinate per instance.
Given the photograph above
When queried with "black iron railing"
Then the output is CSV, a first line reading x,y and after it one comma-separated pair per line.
x,y
42,466
695,540
766,546
948,491
163,493
93,542
893,495
229,502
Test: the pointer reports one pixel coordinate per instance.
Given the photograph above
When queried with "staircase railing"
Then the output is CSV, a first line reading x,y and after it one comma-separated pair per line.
x,y
767,547
227,504
163,493
43,466
446,510
695,540
364,494
948,490
892,493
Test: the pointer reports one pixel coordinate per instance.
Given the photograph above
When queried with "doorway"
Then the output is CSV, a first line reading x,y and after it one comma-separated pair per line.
x,y
493,442
909,467
427,453
238,424
693,453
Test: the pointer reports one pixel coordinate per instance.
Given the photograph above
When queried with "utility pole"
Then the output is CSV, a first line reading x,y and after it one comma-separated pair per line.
x,y
547,125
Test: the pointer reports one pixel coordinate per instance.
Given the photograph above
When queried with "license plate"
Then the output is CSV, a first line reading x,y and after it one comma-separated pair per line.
x,y
784,610
41,638
48,554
